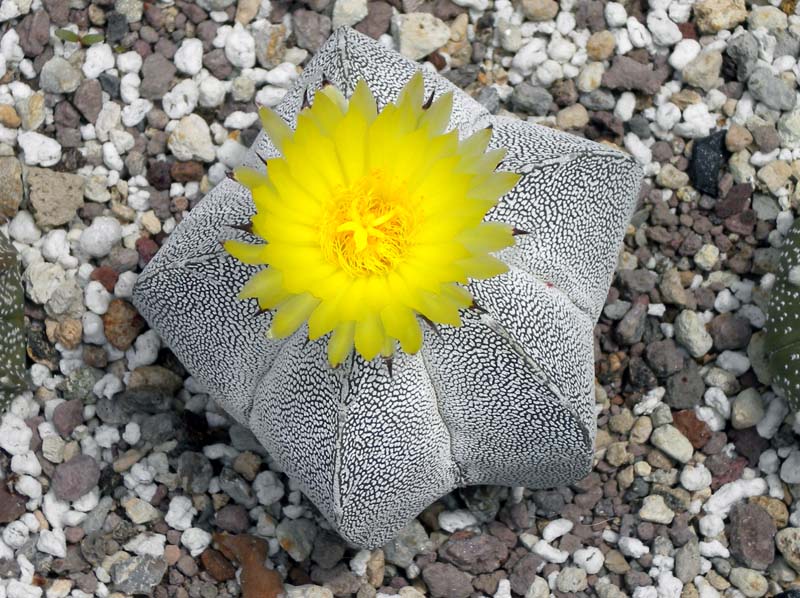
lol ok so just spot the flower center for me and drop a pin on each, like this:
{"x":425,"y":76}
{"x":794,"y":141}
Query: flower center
{"x":367,"y":225}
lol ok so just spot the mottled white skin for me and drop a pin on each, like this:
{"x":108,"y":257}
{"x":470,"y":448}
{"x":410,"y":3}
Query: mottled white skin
{"x":783,"y":324}
{"x":506,"y":399}
{"x":12,"y":325}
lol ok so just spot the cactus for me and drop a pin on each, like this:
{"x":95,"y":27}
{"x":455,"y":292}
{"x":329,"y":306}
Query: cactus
{"x":12,"y":330}
{"x":783,"y":327}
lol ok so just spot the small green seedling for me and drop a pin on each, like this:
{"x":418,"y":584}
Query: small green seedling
{"x":89,"y":39}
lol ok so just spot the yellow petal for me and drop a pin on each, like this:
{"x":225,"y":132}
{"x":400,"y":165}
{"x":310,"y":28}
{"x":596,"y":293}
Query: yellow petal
{"x":323,"y":319}
{"x":401,"y":323}
{"x":350,"y":138}
{"x":369,"y":337}
{"x":326,"y":112}
{"x":439,"y":308}
{"x":292,"y":313}
{"x":437,"y":116}
{"x":333,"y":93}
{"x":495,"y":185}
{"x":458,"y":294}
{"x":250,"y":178}
{"x":410,"y":99}
{"x":484,"y":266}
{"x":245,"y":252}
{"x":474,"y":145}
{"x":388,"y":347}
{"x":341,"y":343}
{"x":264,"y":282}
{"x":363,"y":102}
{"x":487,"y":237}
{"x":277,"y":130}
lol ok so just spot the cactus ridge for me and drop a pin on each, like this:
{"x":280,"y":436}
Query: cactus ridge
{"x":12,"y":326}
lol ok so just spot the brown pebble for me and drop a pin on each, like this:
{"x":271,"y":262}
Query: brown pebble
{"x":184,"y":172}
{"x":171,"y":554}
{"x":217,"y":565}
{"x":106,"y":276}
{"x":122,"y":324}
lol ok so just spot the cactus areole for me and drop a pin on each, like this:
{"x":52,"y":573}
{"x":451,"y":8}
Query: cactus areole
{"x":783,"y":324}
{"x":358,"y":295}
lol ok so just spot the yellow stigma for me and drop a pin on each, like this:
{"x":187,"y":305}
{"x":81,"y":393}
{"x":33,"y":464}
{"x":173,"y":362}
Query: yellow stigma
{"x":371,"y":220}
{"x":368,"y":224}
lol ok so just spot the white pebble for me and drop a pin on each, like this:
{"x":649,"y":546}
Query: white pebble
{"x":284,"y":75}
{"x":556,"y":529}
{"x":729,"y":494}
{"x":180,"y":513}
{"x":550,"y":553}
{"x":108,"y":386}
{"x":16,"y":534}
{"x":451,"y":521}
{"x":195,"y":540}
{"x":97,"y":298}
{"x":106,"y":436}
{"x":589,"y":559}
{"x":15,"y":435}
{"x":23,"y":229}
{"x":734,"y":362}
{"x":632,"y":547}
{"x":98,"y":239}
{"x":626,"y":104}
{"x":125,"y":283}
{"x":52,"y":542}
{"x":132,"y":433}
{"x":134,"y":113}
{"x":711,"y":525}
{"x":98,"y":59}
{"x":38,"y":149}
{"x":189,"y":56}
{"x":144,"y":351}
{"x":616,"y":15}
{"x":665,"y":32}
{"x":638,"y":149}
{"x":240,"y":47}
{"x":181,"y":99}
{"x":26,"y":463}
{"x":695,"y":477}
{"x":129,"y":62}
{"x":268,"y":488}
{"x":713,"y":549}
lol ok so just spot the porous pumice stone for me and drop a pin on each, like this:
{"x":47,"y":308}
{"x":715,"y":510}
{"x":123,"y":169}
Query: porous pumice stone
{"x":783,"y":323}
{"x":505,"y":399}
{"x":12,"y":326}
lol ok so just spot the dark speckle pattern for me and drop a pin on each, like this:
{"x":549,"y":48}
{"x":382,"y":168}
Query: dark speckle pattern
{"x":505,"y":399}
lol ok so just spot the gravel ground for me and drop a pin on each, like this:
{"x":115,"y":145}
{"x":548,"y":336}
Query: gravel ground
{"x":121,"y":474}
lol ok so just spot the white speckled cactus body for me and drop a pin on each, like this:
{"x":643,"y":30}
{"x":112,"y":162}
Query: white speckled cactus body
{"x":783,"y":326}
{"x":506,"y":399}
{"x":12,"y":331}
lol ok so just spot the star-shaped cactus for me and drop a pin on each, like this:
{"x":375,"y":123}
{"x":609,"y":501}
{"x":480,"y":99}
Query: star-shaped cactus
{"x":783,"y":325}
{"x":507,"y":398}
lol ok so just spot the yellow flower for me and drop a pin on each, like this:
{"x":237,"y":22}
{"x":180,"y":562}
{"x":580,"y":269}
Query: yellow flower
{"x":372,"y":219}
